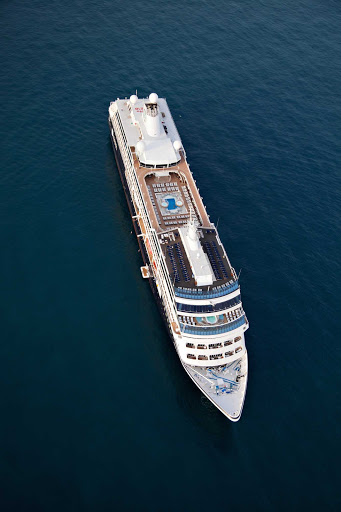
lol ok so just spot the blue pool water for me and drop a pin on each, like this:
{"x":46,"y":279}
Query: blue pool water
{"x":171,"y":203}
{"x":97,"y":413}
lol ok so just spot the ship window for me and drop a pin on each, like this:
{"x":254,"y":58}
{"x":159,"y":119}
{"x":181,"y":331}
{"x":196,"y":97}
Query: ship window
{"x":238,"y":338}
{"x":202,"y":358}
{"x":201,"y":346}
{"x":191,"y":356}
{"x":215,"y":345}
{"x":190,"y":345}
{"x":228,"y":354}
{"x":229,"y":342}
{"x":216,"y":356}
{"x":174,"y":163}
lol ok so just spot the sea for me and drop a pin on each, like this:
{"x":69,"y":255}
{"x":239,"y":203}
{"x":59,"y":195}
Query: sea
{"x":97,"y":413}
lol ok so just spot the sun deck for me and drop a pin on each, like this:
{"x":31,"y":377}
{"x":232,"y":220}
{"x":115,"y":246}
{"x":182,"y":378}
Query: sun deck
{"x":179,"y":266}
{"x":172,"y":199}
{"x":171,"y":196}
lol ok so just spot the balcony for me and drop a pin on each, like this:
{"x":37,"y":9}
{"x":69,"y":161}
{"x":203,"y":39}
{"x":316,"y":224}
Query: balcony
{"x":210,"y":320}
{"x":208,"y":308}
{"x":198,"y":294}
{"x":211,"y":331}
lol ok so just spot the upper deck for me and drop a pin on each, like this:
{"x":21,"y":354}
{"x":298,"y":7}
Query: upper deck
{"x":171,"y":195}
{"x":180,"y":267}
{"x":195,"y":265}
{"x":166,"y":182}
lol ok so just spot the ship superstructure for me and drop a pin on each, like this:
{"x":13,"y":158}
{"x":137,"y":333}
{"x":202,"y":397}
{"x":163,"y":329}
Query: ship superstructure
{"x":184,"y":259}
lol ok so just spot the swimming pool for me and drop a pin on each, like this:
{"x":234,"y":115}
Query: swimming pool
{"x":171,"y":203}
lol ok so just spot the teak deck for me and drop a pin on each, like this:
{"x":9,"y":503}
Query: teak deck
{"x":182,"y":176}
{"x":177,"y":181}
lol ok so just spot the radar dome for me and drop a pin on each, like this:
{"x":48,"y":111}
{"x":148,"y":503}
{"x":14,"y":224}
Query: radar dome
{"x":177,"y":145}
{"x":153,"y":97}
{"x":140,"y":146}
{"x":133,"y":99}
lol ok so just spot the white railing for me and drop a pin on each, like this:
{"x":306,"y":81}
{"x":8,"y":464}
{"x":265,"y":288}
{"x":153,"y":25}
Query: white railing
{"x":234,"y":273}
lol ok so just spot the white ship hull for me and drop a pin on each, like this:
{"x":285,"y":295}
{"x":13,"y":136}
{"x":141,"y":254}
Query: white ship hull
{"x":190,"y":274}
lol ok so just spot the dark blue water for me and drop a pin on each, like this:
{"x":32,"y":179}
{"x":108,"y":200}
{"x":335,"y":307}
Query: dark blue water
{"x":96,"y":411}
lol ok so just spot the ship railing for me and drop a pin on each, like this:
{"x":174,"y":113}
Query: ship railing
{"x":208,"y":308}
{"x":193,"y":206}
{"x":195,"y":294}
{"x":234,"y":273}
{"x":161,"y":271}
{"x":224,"y":319}
{"x":212,"y":331}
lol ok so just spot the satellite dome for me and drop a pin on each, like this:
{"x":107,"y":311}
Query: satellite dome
{"x":133,"y":99}
{"x":140,"y":146}
{"x":153,"y":97}
{"x":177,"y":145}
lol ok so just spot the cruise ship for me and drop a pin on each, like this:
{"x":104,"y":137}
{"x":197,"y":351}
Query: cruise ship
{"x":190,"y":274}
